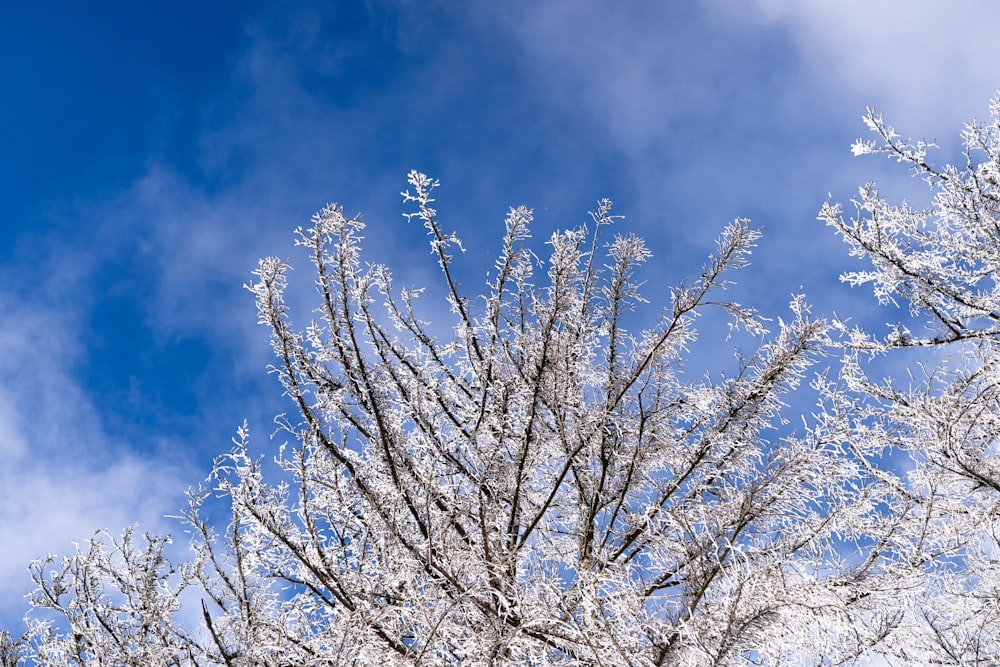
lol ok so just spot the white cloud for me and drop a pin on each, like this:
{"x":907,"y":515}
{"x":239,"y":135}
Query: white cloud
{"x":633,"y":68}
{"x":929,"y":64}
{"x":63,"y":476}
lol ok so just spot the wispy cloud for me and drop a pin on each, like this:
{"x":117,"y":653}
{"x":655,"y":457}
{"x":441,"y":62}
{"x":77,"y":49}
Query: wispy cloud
{"x":927,"y":63}
{"x":64,"y":475}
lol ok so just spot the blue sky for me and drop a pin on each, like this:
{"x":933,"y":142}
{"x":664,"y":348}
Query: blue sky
{"x":149,"y":156}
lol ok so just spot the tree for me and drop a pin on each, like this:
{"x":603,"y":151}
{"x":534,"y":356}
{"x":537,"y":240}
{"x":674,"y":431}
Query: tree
{"x":941,"y":262}
{"x":545,"y":485}
{"x":9,"y":650}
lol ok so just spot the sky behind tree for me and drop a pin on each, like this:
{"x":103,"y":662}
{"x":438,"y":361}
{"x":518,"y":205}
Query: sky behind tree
{"x":149,"y":156}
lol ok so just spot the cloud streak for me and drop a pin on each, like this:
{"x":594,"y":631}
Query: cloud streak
{"x":64,"y":475}
{"x":927,"y":63}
